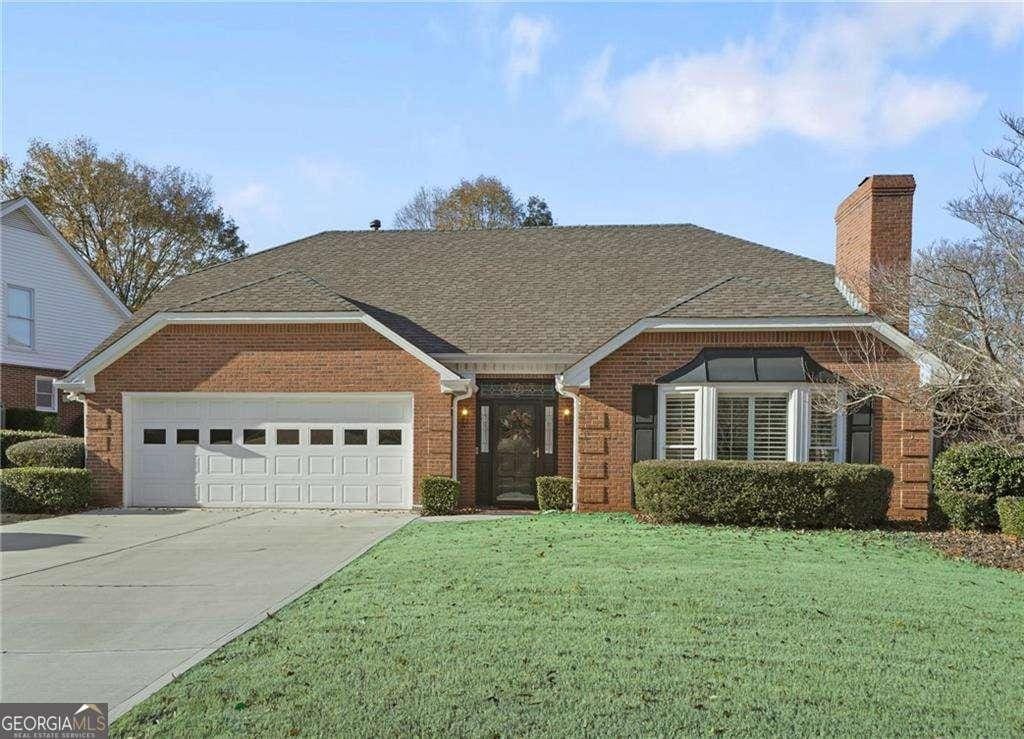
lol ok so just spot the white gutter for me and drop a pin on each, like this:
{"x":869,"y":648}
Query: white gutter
{"x":561,"y":390}
{"x":468,"y":393}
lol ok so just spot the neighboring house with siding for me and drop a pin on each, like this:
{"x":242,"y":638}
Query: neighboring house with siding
{"x":55,"y":311}
{"x":340,"y":369}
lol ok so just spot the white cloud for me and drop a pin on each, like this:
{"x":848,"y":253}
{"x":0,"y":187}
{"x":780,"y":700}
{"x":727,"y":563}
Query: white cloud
{"x":833,"y":81}
{"x":251,"y":206}
{"x":526,"y":37}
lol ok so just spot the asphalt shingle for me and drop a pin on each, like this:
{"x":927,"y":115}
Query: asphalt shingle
{"x":562,"y":289}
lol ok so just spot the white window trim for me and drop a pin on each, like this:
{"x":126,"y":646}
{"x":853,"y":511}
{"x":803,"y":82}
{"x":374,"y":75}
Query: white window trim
{"x":31,"y":320}
{"x":705,"y":404}
{"x":53,"y":394}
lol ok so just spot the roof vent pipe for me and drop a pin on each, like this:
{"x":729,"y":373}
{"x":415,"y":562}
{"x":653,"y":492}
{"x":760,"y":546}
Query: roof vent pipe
{"x":375,"y":224}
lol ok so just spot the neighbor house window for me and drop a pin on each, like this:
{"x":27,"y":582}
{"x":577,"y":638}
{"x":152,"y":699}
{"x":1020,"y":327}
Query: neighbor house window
{"x":752,"y":427}
{"x":680,"y":427}
{"x":21,"y":316}
{"x":823,"y":433}
{"x":46,"y":394}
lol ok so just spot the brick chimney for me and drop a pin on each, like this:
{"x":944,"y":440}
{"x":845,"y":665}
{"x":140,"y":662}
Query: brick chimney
{"x":873,"y":244}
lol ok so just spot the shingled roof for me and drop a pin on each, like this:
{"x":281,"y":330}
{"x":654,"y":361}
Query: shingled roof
{"x":562,"y":289}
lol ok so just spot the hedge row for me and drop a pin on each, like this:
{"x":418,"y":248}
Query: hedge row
{"x":55,"y":452}
{"x":785,"y":494}
{"x":10,"y":437}
{"x":1011,"y":515}
{"x":44,"y":490}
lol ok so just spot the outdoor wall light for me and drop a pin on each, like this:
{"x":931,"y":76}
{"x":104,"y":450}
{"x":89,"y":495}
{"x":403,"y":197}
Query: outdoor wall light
{"x":465,"y":412}
{"x":567,"y":412}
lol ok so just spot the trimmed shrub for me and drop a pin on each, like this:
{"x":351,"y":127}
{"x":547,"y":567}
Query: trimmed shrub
{"x":554,"y":493}
{"x":439,"y":495}
{"x":44,"y":490}
{"x":967,"y":511}
{"x":29,"y":419}
{"x":979,"y":468}
{"x":1011,"y":515}
{"x":10,"y":437}
{"x":55,"y":452}
{"x":786,"y":494}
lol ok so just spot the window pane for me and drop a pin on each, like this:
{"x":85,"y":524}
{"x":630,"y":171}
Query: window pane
{"x":254,"y":436}
{"x":45,"y":393}
{"x":732,"y":424}
{"x":19,"y":331}
{"x":154,"y":436}
{"x":679,"y":422}
{"x":321,"y":436}
{"x":355,"y":437}
{"x":188,"y":436}
{"x":288,"y":437}
{"x":860,"y":447}
{"x":731,"y":369}
{"x":19,"y":302}
{"x":771,"y":416}
{"x":823,"y":434}
{"x":220,"y":436}
{"x":389,"y":437}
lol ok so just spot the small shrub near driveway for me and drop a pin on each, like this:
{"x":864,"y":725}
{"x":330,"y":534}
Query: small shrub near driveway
{"x":439,"y":495}
{"x":795,"y":495}
{"x":554,"y":493}
{"x":979,"y":468}
{"x":29,"y":419}
{"x":56,"y":452}
{"x":1011,"y":515}
{"x":44,"y":490}
{"x":10,"y":437}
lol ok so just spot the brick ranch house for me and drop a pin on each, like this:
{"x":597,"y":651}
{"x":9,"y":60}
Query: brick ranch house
{"x":340,"y":369}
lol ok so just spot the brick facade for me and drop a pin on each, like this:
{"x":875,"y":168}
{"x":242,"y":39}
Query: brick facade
{"x":18,"y":390}
{"x":902,"y":438}
{"x":305,"y":358}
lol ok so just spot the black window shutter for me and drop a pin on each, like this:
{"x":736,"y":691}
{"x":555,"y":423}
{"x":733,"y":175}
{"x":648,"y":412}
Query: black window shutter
{"x":645,"y":421}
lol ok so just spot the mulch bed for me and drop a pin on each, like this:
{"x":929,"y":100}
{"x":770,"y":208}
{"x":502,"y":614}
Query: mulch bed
{"x":993,"y":550}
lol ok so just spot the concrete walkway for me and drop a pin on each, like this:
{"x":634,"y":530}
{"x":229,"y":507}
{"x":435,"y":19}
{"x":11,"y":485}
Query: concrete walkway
{"x":109,"y":606}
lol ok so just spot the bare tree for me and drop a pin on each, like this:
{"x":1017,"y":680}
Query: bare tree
{"x":966,"y":300}
{"x":138,"y":227}
{"x":421,"y":211}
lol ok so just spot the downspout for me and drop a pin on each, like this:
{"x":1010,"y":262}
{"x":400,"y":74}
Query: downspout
{"x":561,"y":389}
{"x":470,"y":390}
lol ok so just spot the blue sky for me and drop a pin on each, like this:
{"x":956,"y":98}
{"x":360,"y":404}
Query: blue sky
{"x":754,"y":120}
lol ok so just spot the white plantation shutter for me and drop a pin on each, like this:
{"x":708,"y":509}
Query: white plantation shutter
{"x":753,"y":428}
{"x":771,"y":416}
{"x":680,"y":427}
{"x":823,"y":434}
{"x":733,"y":419}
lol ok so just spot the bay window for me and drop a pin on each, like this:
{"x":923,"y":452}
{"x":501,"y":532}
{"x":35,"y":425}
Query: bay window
{"x":773,"y":422}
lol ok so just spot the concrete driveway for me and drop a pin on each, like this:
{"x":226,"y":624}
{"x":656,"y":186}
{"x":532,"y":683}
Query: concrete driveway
{"x":108,"y":606}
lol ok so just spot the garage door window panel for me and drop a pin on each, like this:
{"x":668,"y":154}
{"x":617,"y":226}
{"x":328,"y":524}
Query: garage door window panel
{"x":321,"y":437}
{"x":187,"y":436}
{"x":355,"y":437}
{"x":254,"y":437}
{"x":287,"y":437}
{"x":154,"y":436}
{"x":220,"y":436}
{"x":389,"y":437}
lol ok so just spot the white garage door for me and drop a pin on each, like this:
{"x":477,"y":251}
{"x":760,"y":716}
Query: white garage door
{"x":322,"y":451}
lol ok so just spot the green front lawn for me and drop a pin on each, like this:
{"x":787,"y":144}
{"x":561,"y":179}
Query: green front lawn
{"x":573,"y":624}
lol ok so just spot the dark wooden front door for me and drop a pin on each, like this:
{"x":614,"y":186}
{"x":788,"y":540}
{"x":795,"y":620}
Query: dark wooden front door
{"x":517,"y":435}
